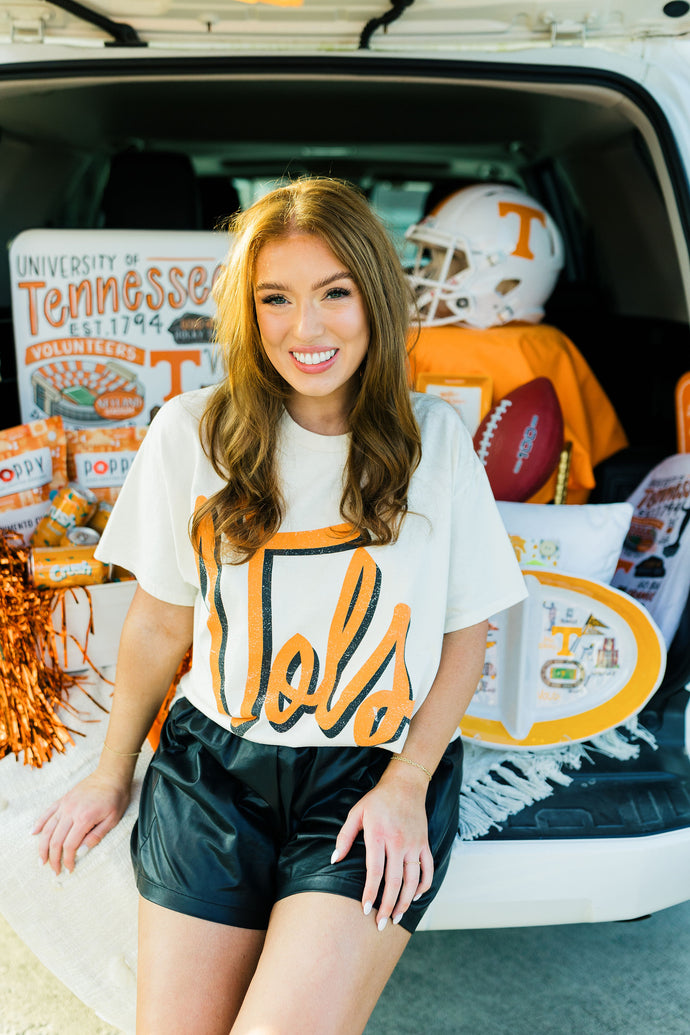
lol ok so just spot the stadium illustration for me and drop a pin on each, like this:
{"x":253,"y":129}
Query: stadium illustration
{"x":84,"y":391}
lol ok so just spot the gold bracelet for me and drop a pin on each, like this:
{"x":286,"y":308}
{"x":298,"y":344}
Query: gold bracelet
{"x":410,"y":761}
{"x":122,"y":754}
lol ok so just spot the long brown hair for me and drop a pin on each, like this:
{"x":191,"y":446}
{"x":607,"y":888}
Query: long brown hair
{"x":239,"y":426}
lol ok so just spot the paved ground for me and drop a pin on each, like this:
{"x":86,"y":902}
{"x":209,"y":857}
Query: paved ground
{"x":607,"y":979}
{"x":33,"y":1002}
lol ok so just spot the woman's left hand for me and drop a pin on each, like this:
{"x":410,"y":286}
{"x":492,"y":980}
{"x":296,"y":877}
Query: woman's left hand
{"x":393,"y":820}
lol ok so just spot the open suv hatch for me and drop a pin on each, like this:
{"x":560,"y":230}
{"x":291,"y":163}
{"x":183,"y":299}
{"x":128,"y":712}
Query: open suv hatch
{"x":588,"y":114}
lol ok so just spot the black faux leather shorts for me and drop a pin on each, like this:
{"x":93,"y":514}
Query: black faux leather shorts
{"x":227,"y":827}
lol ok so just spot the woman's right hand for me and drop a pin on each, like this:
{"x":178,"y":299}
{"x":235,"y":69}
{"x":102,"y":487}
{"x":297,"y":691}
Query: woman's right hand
{"x":82,"y":817}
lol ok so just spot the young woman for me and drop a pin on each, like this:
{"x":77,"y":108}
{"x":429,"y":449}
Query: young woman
{"x":329,"y":544}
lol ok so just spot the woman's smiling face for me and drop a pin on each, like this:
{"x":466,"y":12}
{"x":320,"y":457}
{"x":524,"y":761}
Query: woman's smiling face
{"x":314,"y":327}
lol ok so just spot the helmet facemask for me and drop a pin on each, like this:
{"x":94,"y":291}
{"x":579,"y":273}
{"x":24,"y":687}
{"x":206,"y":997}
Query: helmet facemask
{"x":435,"y":279}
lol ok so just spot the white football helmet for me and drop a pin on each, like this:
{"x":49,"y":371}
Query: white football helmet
{"x":486,"y":255}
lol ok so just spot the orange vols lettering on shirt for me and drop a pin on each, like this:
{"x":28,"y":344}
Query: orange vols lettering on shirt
{"x":210,"y":568}
{"x":288,"y":683}
{"x":379,"y":713}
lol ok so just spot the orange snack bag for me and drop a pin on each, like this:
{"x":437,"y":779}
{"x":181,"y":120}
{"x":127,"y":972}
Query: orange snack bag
{"x":33,"y":466}
{"x":99,"y":458}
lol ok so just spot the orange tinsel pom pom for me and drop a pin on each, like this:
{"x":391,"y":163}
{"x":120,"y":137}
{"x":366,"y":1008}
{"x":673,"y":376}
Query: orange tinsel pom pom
{"x":32,"y":685}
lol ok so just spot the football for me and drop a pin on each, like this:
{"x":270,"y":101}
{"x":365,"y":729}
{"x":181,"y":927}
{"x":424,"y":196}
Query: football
{"x":520,"y":440}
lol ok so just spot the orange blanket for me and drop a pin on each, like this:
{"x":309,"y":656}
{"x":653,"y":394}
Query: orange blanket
{"x":516,"y":353}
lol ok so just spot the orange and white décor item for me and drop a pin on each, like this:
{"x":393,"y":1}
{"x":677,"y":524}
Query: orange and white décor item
{"x":654,"y":565}
{"x":683,"y":413}
{"x":585,"y":540}
{"x":469,"y":396}
{"x":108,"y":324}
{"x":576,"y":658}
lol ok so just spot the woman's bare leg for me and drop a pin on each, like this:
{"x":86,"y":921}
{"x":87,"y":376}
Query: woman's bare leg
{"x":192,"y":974}
{"x":322,"y":969}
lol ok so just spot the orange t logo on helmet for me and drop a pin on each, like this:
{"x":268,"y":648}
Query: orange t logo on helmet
{"x":526,"y":215}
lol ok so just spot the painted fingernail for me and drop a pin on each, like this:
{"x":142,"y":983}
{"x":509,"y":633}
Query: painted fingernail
{"x":367,"y":908}
{"x":335,"y":856}
{"x":81,"y":851}
{"x":397,"y":918}
{"x":382,"y":923}
{"x":417,"y":897}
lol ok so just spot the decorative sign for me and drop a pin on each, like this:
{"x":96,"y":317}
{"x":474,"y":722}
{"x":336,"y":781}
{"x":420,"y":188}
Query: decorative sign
{"x":654,"y":565}
{"x":470,"y":396}
{"x":574,"y":659}
{"x":109,"y":324}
